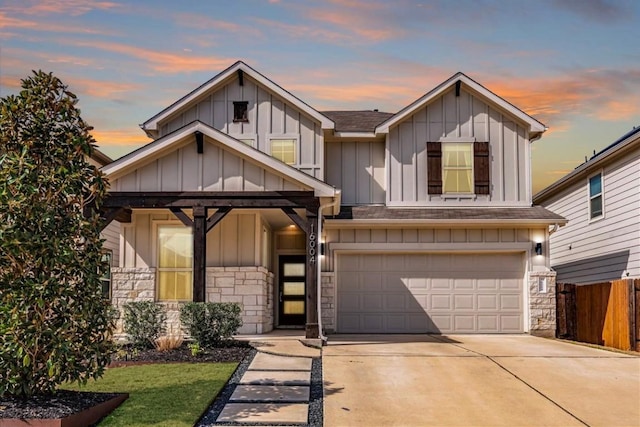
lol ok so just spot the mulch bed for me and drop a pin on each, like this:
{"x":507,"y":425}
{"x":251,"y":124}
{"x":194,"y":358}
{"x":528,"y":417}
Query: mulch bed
{"x":234,"y":351}
{"x":65,"y":403}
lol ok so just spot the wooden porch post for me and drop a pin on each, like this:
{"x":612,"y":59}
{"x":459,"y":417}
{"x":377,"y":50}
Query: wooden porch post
{"x":312,"y":329}
{"x":199,"y":252}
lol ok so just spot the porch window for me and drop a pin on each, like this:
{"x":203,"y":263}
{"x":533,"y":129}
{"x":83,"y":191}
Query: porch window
{"x":284,"y":150}
{"x":457,"y":167}
{"x":595,"y":196}
{"x":105,"y":276}
{"x":175,"y":263}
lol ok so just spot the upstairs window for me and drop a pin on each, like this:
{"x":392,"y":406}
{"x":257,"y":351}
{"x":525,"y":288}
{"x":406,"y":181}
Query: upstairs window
{"x":595,"y":196}
{"x":458,"y":167}
{"x":284,"y":150}
{"x":240,"y":109}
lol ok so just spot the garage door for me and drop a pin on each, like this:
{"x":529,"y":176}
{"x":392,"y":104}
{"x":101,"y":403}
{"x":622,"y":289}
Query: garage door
{"x":418,"y":293}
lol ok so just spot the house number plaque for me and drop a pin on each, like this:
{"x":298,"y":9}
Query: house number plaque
{"x":312,"y":245}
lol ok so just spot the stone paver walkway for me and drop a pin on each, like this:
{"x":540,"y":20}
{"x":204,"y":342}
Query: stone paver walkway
{"x":275,"y":389}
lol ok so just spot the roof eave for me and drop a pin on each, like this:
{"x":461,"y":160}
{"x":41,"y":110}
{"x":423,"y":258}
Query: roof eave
{"x":535,"y":127}
{"x":336,"y":223}
{"x":152,"y":123}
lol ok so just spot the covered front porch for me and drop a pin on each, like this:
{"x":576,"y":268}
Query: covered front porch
{"x":259,"y":249}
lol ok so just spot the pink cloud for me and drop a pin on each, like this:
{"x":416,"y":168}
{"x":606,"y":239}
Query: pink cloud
{"x":162,"y":62}
{"x":67,"y":7}
{"x":18,"y":23}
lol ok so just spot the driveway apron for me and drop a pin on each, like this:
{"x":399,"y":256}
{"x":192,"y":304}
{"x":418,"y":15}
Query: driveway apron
{"x":476,"y":380}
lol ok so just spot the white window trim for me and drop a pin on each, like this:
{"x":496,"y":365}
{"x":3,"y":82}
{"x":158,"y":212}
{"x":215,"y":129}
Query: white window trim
{"x":601,"y":216}
{"x":108,"y":252}
{"x":155,"y":255}
{"x":459,"y":140}
{"x":296,"y":144}
{"x":246,"y":136}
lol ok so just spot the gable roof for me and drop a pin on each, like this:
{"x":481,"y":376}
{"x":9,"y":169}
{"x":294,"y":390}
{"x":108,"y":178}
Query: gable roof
{"x":152,"y":123}
{"x":620,"y":145}
{"x":168,"y":143}
{"x":357,"y":121}
{"x":535,"y":126}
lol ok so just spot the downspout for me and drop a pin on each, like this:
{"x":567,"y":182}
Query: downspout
{"x":554,"y":229}
{"x":319,"y":273}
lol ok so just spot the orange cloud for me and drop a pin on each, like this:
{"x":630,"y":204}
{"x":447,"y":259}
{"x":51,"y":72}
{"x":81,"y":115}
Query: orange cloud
{"x":163,"y":62}
{"x":102,"y":88}
{"x":112,"y":137}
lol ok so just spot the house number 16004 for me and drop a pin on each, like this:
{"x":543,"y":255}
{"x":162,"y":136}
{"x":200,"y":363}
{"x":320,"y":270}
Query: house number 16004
{"x":312,"y":245}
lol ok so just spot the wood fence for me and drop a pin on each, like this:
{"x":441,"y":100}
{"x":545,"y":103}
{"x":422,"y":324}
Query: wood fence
{"x":604,"y":313}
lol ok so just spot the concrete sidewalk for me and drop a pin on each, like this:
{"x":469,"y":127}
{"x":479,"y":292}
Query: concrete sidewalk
{"x":477,"y":380}
{"x":276,"y":388}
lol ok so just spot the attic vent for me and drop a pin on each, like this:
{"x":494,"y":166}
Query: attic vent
{"x":241,"y":77}
{"x":458,"y":83}
{"x":240,"y":111}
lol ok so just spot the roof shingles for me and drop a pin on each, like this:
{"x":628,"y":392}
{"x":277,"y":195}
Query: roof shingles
{"x":535,"y":213}
{"x":357,"y":121}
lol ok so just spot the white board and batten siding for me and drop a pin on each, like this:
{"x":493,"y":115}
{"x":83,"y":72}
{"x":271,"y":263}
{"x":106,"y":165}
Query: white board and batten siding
{"x":214,"y":170}
{"x":591,"y":251}
{"x":269,"y":116}
{"x":465,"y":116}
{"x":111,"y":235}
{"x":234,"y":242}
{"x":357,"y":168}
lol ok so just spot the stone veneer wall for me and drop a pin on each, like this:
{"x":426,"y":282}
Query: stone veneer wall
{"x":542,"y":306}
{"x":252,"y":287}
{"x":328,"y":301}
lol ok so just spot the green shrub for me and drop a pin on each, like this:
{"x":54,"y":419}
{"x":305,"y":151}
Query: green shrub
{"x":209,"y":323}
{"x":144,"y":322}
{"x":54,"y":322}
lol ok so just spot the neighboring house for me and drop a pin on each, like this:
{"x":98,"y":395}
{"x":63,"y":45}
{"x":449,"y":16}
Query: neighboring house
{"x":337,"y":221}
{"x":601,"y":200}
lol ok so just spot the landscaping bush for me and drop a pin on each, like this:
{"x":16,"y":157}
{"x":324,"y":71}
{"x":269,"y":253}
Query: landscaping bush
{"x":144,"y":322}
{"x":54,"y":323}
{"x":209,"y":323}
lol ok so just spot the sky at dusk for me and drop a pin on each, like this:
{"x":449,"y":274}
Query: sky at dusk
{"x":572,"y":64}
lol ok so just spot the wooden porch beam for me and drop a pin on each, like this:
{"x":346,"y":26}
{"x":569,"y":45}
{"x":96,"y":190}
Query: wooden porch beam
{"x":182,"y":216}
{"x":312,"y":328}
{"x":214,"y":199}
{"x":299,"y":221}
{"x":217,"y":217}
{"x":199,"y":253}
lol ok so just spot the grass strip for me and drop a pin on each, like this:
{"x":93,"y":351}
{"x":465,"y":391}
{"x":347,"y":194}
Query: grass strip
{"x":173,"y":394}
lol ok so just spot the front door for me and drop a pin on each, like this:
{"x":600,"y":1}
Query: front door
{"x":291,"y":290}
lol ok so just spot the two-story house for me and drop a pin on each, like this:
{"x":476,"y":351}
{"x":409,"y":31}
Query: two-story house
{"x":601,"y":200}
{"x":338,"y":221}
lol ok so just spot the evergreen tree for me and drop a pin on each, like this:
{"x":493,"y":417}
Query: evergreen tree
{"x":55,"y":326}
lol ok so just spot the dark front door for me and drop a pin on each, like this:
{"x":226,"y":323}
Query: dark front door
{"x":291,"y":290}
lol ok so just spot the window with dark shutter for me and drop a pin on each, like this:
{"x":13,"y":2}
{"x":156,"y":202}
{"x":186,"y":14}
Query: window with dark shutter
{"x":434,"y":167}
{"x":481,"y":167}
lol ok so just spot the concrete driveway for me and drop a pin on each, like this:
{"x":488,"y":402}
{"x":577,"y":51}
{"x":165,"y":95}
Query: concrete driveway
{"x":476,"y":380}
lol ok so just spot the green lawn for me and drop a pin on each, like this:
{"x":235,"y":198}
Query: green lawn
{"x":162,"y":394}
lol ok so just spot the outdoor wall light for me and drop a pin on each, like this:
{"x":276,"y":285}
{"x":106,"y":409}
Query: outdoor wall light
{"x":538,"y":248}
{"x":321,"y":248}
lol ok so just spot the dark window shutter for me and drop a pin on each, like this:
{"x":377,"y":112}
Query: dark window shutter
{"x":434,"y":167}
{"x":481,"y":167}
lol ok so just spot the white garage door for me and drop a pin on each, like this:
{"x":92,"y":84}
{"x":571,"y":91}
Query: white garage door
{"x":417,"y":293}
